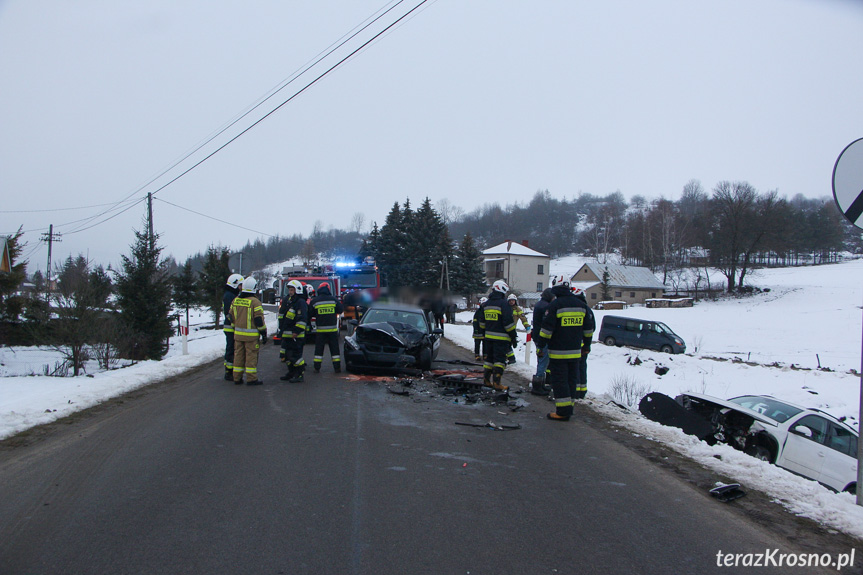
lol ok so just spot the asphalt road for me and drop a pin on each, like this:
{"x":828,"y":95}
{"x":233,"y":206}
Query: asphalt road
{"x":197,"y":475}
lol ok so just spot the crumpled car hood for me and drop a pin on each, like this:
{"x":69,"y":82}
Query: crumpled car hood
{"x":385,"y":333}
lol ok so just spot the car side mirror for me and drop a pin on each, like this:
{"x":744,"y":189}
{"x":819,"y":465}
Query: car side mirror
{"x":802,"y":430}
{"x":354,"y":322}
{"x":437,"y":331}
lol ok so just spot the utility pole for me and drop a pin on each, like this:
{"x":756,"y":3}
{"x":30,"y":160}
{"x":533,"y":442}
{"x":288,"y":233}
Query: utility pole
{"x":50,"y":237}
{"x":150,"y":221}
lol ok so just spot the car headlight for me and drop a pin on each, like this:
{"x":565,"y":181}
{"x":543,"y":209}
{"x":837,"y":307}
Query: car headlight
{"x":678,"y":342}
{"x":351,"y":342}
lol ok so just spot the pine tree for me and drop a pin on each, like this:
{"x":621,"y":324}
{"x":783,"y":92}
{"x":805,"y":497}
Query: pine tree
{"x":212,"y":281}
{"x":391,"y":248}
{"x":184,"y":288}
{"x":11,"y":304}
{"x":468,"y":273}
{"x":144,"y":298}
{"x":428,"y":246}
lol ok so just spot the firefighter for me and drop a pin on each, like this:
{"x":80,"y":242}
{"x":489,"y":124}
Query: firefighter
{"x":478,"y":334}
{"x":499,"y":337}
{"x":518,"y":315}
{"x":567,"y":329}
{"x":293,"y":313}
{"x":325,"y":311}
{"x":538,"y":384}
{"x":581,"y":387}
{"x":250,"y":332}
{"x":232,"y":289}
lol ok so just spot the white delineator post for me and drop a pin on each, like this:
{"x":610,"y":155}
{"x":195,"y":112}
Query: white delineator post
{"x":184,"y":331}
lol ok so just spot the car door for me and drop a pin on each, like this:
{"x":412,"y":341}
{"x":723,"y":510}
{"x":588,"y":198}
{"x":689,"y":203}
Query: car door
{"x":840,"y":460}
{"x":804,"y":453}
{"x":632,"y":335}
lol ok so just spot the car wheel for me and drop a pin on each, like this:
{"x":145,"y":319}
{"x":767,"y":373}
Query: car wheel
{"x":760,"y":452}
{"x":609,"y":341}
{"x":666,"y":349}
{"x":852,"y":489}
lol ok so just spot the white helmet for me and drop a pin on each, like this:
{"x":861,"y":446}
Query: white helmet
{"x":500,"y":286}
{"x":482,"y":300}
{"x":560,"y":280}
{"x":296,"y":285}
{"x":250,"y":284}
{"x":234,"y":280}
{"x":309,"y":290}
{"x":511,"y":297}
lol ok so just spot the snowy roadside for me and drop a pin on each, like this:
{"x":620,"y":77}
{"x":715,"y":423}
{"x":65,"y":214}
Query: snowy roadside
{"x":30,"y":400}
{"x":798,"y":495}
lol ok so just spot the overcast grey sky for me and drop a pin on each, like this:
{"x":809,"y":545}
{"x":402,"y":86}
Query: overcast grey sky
{"x":473,"y":101}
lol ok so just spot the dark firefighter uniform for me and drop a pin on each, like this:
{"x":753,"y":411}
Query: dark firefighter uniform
{"x":247,"y":317}
{"x":499,"y":336}
{"x":581,"y":388}
{"x":325,"y":310}
{"x":478,"y":334}
{"x":567,"y":328}
{"x":228,"y":328}
{"x":293,"y":314}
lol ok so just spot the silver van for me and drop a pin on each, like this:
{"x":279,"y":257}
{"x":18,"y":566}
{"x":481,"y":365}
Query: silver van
{"x":617,"y":330}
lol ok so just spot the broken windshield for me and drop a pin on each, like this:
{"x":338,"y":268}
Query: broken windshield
{"x":775,"y":410}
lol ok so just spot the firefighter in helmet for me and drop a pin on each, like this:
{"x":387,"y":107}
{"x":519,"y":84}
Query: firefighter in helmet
{"x":325,"y":309}
{"x":293,"y":314}
{"x":232,"y":289}
{"x":250,"y":331}
{"x":499,"y":337}
{"x":568,"y":329}
{"x":478,"y":334}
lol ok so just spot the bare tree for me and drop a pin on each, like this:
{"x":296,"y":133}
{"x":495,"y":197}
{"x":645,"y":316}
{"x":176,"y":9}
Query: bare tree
{"x":358,"y":223}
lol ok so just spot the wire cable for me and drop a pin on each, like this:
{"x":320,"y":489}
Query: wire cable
{"x":215,"y":219}
{"x":274,"y":110}
{"x":297,"y":74}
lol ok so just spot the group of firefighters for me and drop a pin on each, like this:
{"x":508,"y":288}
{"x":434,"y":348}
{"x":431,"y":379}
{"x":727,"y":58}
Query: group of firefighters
{"x":563,"y":326}
{"x":245,"y":330}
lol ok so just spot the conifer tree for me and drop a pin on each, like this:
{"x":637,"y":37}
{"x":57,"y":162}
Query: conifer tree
{"x":184,"y":288}
{"x":11,"y":305}
{"x":391,"y":248}
{"x":429,"y":246}
{"x":144,"y":298}
{"x":212,"y":281}
{"x":468,"y":276}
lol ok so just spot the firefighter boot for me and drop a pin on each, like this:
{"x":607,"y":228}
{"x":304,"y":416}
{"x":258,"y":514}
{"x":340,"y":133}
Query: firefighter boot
{"x":496,"y":384}
{"x":291,"y":371}
{"x":229,"y":374}
{"x":486,"y":377}
{"x":337,"y":366}
{"x":298,"y":375}
{"x":537,"y":385}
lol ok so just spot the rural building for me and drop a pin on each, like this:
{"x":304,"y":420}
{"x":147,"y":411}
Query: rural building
{"x":629,"y":284}
{"x":524,"y":269}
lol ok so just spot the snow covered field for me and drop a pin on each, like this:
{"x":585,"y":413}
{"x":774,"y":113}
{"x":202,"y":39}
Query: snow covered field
{"x":744,"y":346}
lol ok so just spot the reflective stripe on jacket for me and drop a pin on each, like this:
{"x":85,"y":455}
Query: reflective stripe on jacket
{"x":247,"y":315}
{"x":567,"y":326}
{"x":496,"y":319}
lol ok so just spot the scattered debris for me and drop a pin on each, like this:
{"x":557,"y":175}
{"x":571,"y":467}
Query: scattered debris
{"x":491,"y":425}
{"x":661,"y":370}
{"x":398,"y":392}
{"x":727,"y":493}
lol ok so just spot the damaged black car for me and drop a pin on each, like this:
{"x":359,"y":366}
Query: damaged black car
{"x":392,"y":337}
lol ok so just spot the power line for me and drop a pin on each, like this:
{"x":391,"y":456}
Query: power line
{"x":306,"y":87}
{"x":335,"y":46}
{"x":56,"y":209}
{"x":215,"y":219}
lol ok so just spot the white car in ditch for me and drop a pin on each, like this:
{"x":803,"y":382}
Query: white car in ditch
{"x":808,"y":442}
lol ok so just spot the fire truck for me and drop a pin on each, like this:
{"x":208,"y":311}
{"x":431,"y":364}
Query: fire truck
{"x":355,"y":284}
{"x":306,"y":275}
{"x":360,"y":285}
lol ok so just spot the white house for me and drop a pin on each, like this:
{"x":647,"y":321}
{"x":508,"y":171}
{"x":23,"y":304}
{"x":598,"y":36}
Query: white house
{"x":524,"y":269}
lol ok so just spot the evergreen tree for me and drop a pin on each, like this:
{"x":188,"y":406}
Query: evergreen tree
{"x":184,"y":289}
{"x":391,"y":248}
{"x":11,"y":304}
{"x":370,"y":245}
{"x":468,"y":275}
{"x":144,"y":299}
{"x":212,"y":281}
{"x":80,"y":304}
{"x":428,"y":246}
{"x":604,"y":288}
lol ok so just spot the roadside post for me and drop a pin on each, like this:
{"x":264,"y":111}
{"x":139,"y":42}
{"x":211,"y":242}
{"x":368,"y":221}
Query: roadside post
{"x":528,"y":347}
{"x":848,"y":194}
{"x":184,"y":331}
